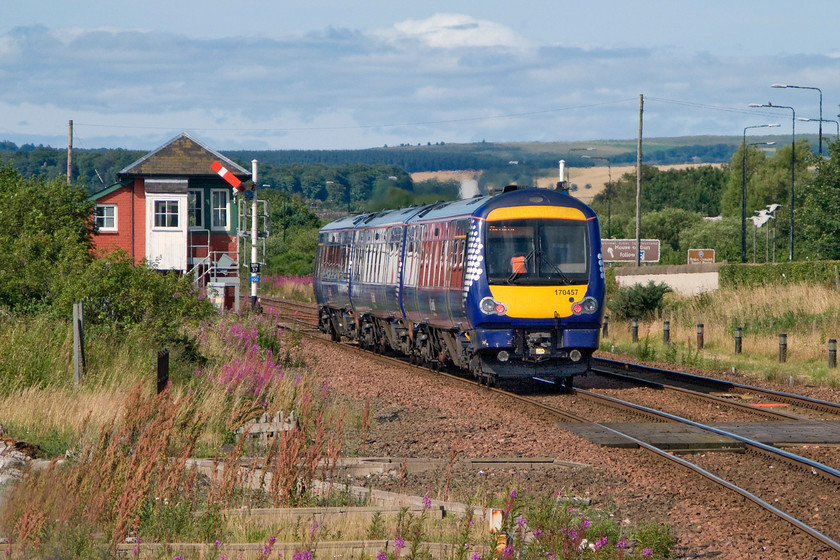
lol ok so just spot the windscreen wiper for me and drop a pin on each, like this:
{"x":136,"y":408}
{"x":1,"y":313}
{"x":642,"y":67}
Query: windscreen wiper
{"x":545,"y":260}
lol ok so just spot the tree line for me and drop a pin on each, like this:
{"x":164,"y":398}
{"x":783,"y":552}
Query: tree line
{"x":700,"y":207}
{"x":694,"y":208}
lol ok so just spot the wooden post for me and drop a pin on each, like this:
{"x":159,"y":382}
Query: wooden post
{"x":832,"y":353}
{"x":699,"y":336}
{"x":634,"y":329}
{"x":162,"y":370}
{"x":605,"y":327}
{"x":666,"y":332}
{"x":78,"y":342}
{"x":782,"y":348}
{"x":737,"y":340}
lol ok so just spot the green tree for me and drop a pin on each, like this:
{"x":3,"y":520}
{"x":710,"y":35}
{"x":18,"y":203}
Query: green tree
{"x":696,"y":189}
{"x":45,"y":233}
{"x":819,"y":213}
{"x":724,"y":236}
{"x":667,"y":225}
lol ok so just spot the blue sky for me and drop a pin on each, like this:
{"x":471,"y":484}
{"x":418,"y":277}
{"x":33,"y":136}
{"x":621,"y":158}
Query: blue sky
{"x":325,"y":74}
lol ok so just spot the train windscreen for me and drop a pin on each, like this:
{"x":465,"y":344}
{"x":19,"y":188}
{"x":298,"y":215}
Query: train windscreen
{"x":537,"y":252}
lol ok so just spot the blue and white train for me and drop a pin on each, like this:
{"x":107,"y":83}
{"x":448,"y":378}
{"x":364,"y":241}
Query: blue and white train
{"x":505,"y":286}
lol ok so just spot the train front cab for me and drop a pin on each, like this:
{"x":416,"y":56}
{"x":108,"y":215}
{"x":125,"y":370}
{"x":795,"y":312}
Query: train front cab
{"x":537,"y":305}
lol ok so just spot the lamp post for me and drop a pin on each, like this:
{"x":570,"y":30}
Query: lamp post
{"x":792,"y":163}
{"x":570,"y":162}
{"x":609,"y":191}
{"x":807,"y":87}
{"x":836,"y":124}
{"x":744,"y":187}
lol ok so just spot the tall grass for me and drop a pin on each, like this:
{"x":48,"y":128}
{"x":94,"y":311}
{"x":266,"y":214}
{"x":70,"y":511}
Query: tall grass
{"x":120,"y":467}
{"x":808,"y":314}
{"x":297,"y":288}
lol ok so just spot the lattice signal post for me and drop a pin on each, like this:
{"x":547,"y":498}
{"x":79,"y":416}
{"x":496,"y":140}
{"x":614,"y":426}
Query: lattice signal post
{"x":248,"y":190}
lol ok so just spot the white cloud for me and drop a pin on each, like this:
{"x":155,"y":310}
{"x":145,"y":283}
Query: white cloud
{"x":458,"y":78}
{"x":450,"y":31}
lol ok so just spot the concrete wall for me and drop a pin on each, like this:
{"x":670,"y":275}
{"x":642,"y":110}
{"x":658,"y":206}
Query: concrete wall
{"x":687,"y":279}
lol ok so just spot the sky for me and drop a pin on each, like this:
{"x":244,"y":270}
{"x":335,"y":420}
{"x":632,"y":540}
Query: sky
{"x":335,"y":74}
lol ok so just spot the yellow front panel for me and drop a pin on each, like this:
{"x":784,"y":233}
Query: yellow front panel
{"x":538,"y":302}
{"x":522,"y":212}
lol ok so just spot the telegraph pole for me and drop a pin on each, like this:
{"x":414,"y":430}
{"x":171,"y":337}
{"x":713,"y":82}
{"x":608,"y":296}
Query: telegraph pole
{"x":639,"y":185}
{"x":70,"y":152}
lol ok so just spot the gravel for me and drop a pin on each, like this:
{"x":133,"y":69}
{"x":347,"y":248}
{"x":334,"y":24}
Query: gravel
{"x":418,"y":414}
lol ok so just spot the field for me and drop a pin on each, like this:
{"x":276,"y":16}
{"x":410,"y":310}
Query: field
{"x":596,"y":177}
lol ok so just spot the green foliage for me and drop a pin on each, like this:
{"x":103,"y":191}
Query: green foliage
{"x":640,"y":301}
{"x":819,"y":212}
{"x":45,"y":236}
{"x":724,"y":236}
{"x":645,"y":351}
{"x":376,"y":529}
{"x":810,"y":272}
{"x":295,"y":256}
{"x":123,"y":296}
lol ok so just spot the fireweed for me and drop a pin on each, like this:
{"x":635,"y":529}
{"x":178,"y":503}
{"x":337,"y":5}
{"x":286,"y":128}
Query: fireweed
{"x":131,"y":476}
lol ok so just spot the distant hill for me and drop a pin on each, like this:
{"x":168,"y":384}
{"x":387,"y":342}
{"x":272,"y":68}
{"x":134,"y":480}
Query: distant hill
{"x":535,"y":155}
{"x":522,"y":162}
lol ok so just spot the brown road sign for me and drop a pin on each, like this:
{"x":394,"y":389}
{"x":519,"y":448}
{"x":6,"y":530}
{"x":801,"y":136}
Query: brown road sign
{"x":701,"y":256}
{"x":624,"y":250}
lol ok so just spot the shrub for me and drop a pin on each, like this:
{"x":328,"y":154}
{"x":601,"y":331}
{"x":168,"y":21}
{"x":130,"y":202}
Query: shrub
{"x":639,"y":301}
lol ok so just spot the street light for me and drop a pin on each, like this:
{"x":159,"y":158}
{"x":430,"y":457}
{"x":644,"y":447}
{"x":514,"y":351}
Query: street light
{"x":609,"y":191}
{"x":744,"y":188}
{"x":570,"y":162}
{"x":792,"y":162}
{"x":836,"y":124}
{"x":807,"y":87}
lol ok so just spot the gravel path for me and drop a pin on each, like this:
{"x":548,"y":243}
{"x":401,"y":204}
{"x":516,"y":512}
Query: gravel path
{"x":423,"y":415}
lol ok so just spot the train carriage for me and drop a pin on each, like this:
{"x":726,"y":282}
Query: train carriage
{"x":508,"y":286}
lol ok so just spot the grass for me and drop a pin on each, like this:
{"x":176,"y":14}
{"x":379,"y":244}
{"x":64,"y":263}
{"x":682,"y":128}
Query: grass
{"x":809,"y":315}
{"x":120,"y":453}
{"x":296,"y":288}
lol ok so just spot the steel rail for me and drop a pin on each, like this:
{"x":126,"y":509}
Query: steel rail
{"x":828,"y":472}
{"x":771,"y":414}
{"x":790,"y":398}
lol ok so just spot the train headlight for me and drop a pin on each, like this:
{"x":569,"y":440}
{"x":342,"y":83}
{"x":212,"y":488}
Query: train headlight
{"x":588,"y":305}
{"x":503,"y":356}
{"x":490,"y":306}
{"x":575,"y":355}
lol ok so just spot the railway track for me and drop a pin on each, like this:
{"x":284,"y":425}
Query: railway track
{"x":782,"y":483}
{"x":722,"y":392}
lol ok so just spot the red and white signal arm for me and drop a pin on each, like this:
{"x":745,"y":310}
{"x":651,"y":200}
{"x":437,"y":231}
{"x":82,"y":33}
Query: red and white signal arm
{"x":243,"y":187}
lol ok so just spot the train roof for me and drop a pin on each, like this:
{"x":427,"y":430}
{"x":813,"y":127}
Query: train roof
{"x":477,"y":206}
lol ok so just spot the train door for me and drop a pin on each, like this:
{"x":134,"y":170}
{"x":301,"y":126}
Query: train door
{"x":457,"y":259}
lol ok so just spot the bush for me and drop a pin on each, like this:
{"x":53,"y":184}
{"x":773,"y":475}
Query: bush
{"x":639,"y":301}
{"x":809,"y":272}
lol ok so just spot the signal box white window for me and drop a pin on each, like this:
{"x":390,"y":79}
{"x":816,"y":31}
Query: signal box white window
{"x":195,"y":211}
{"x":105,"y":217}
{"x":220,"y":209}
{"x":166,"y":213}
